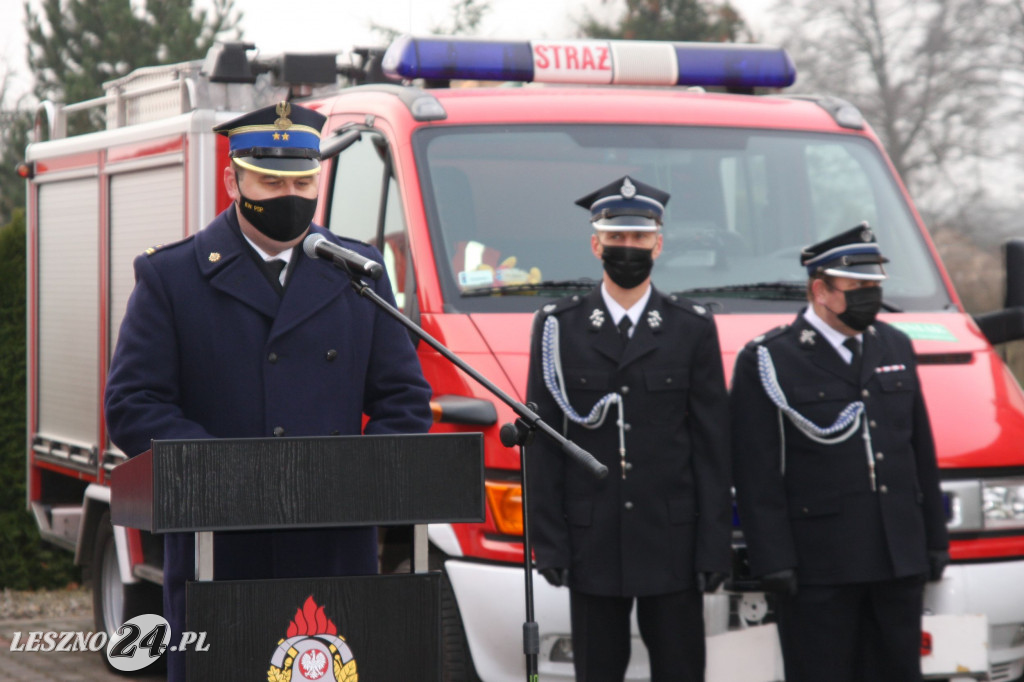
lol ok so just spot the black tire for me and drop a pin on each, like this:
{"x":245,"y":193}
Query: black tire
{"x":114,"y":602}
{"x":456,"y":660}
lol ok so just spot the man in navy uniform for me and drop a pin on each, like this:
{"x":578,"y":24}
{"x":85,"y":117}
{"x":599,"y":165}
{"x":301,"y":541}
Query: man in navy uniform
{"x":836,"y":478}
{"x":234,"y":332}
{"x":635,"y":377}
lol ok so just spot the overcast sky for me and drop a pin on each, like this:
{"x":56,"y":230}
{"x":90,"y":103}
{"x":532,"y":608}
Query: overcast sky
{"x":336,"y":25}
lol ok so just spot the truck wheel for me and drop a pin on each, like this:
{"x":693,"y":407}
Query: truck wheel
{"x":114,"y":602}
{"x":456,"y":660}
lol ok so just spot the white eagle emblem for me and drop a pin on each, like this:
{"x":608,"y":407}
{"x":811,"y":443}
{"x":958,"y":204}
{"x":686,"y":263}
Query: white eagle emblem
{"x":807,"y":336}
{"x":700,"y":310}
{"x":314,"y":664}
{"x":549,"y":307}
{"x":654,"y":319}
{"x":628,"y":190}
{"x":597,"y":318}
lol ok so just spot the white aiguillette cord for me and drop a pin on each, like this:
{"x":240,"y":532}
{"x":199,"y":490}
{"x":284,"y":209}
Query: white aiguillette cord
{"x":845,"y":424}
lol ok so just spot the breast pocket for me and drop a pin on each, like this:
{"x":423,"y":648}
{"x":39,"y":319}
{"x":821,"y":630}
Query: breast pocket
{"x":898,"y":390}
{"x":667,"y":388}
{"x":822,"y":402}
{"x":587,"y":380}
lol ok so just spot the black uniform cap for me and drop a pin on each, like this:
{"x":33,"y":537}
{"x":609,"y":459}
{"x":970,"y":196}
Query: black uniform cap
{"x":626,"y":205}
{"x":854,"y":254}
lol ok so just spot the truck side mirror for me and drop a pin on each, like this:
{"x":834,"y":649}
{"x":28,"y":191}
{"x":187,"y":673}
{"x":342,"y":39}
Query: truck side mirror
{"x":1014,"y":273}
{"x":1002,"y":325}
{"x":1008,"y":324}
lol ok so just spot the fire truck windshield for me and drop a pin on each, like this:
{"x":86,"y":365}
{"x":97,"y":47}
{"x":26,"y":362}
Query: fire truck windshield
{"x":743,"y":203}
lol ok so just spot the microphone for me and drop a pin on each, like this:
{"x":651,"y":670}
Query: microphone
{"x":318,"y":246}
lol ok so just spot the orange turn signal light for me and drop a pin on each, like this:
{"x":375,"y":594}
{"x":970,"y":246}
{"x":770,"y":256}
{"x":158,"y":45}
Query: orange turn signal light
{"x":506,"y":501}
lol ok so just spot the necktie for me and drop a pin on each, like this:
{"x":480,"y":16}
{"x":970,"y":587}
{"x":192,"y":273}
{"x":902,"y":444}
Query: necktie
{"x":624,"y":326}
{"x":853,"y":343}
{"x":274,"y":268}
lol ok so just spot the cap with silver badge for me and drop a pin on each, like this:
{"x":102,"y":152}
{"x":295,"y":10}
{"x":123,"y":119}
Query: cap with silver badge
{"x":854,"y":254}
{"x":626,"y":205}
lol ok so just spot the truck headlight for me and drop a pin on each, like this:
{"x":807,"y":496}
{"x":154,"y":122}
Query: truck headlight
{"x":1003,"y":503}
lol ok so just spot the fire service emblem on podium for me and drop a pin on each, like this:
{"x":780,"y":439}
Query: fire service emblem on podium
{"x":312,"y":650}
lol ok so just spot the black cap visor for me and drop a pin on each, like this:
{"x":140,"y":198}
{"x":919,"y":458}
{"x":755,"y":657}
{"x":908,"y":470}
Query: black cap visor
{"x":295,"y":162}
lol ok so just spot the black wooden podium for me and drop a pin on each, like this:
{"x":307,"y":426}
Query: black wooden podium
{"x":379,"y":627}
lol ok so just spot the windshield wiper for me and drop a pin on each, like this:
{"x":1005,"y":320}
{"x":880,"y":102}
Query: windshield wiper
{"x":782,"y":291}
{"x":549,"y":286}
{"x":778,"y":291}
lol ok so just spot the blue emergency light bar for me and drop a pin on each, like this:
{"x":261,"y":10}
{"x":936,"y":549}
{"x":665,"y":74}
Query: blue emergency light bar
{"x":620,"y":62}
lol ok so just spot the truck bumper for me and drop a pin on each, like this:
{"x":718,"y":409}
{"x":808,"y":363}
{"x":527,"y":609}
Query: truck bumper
{"x":992,"y":589}
{"x":492,"y":604}
{"x":493,"y":609}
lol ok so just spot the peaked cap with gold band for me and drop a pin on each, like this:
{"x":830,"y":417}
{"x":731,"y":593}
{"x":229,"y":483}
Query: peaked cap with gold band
{"x":282,"y":139}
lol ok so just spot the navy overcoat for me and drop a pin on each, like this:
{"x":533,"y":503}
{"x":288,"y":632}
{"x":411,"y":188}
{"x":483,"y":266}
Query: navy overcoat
{"x":208,"y":349}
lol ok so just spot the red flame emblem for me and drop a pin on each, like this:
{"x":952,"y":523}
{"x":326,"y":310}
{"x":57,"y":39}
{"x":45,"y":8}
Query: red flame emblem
{"x":310,"y":620}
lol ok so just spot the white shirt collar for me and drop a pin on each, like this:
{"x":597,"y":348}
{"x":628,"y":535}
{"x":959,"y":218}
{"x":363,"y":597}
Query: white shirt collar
{"x":617,"y":311}
{"x":285,"y":255}
{"x":833,"y":336}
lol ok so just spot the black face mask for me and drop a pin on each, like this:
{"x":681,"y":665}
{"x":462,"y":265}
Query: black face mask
{"x":281,"y":218}
{"x":628,"y":266}
{"x":862,"y":306}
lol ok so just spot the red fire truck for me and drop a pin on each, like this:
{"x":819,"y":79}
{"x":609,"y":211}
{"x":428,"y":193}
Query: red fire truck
{"x":469,"y":191}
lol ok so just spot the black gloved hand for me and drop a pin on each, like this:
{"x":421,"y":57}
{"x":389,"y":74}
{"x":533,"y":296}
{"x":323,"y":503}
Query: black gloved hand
{"x":558,"y":577}
{"x":938,"y":559}
{"x":709,"y":581}
{"x":782,"y":582}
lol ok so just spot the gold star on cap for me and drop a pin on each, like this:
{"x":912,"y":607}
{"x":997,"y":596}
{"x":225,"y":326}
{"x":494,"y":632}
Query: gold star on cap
{"x":214,"y":257}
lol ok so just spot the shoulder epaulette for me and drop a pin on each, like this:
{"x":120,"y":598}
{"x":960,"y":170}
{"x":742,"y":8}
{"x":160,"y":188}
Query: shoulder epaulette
{"x":352,"y":240}
{"x":768,"y":336}
{"x":163,"y":247}
{"x":560,"y":305}
{"x":688,"y":305}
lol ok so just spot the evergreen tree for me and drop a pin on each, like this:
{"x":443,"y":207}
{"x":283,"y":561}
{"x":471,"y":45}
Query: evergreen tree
{"x":671,"y":20}
{"x":14,"y":128}
{"x":77,"y":45}
{"x":25,"y":562}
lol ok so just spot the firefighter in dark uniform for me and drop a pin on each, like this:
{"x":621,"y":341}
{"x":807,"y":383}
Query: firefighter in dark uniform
{"x":633,"y":376}
{"x":836,"y":477}
{"x":234,"y":332}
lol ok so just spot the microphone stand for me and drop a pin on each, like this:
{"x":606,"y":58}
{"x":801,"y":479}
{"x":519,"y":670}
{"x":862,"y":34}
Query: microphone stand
{"x":520,"y":433}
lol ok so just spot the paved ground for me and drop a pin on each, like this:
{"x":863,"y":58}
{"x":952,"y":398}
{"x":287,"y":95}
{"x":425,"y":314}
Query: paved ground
{"x":56,"y":611}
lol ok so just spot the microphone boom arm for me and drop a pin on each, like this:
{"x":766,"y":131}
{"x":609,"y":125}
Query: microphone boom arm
{"x":531,"y":418}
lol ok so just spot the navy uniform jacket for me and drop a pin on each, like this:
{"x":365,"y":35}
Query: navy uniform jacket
{"x":670,"y":517}
{"x":208,"y":349}
{"x":821,"y":516}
